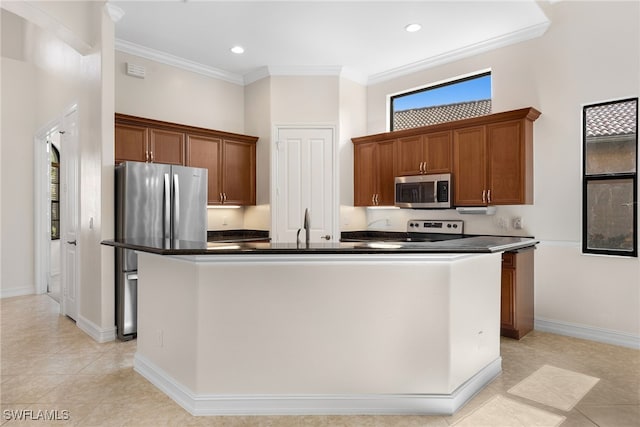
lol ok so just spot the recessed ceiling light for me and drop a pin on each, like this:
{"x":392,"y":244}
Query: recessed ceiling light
{"x":237,"y":50}
{"x":412,"y":28}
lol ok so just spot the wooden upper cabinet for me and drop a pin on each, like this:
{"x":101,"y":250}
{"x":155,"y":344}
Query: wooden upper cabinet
{"x":229,"y":158}
{"x":364,"y":173}
{"x":231,"y":165}
{"x":131,"y":143}
{"x":410,"y":155}
{"x":206,"y":152}
{"x":437,"y":152}
{"x":510,"y":155}
{"x":424,"y":154}
{"x":166,"y":146}
{"x":469,"y":166}
{"x":239,"y":172}
{"x":493,"y":164}
{"x":374,"y":173}
{"x":386,"y":173}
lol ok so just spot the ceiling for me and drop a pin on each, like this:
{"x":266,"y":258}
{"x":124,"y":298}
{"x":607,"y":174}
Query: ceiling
{"x":364,"y":40}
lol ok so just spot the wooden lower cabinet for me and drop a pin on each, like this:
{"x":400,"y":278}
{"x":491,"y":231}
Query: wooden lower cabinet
{"x":516,"y":296}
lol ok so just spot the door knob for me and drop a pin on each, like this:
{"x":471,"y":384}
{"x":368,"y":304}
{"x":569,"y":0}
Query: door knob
{"x":72,"y":242}
{"x":327,"y":237}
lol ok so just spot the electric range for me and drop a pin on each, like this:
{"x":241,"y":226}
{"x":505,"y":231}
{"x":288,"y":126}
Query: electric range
{"x":430,"y":230}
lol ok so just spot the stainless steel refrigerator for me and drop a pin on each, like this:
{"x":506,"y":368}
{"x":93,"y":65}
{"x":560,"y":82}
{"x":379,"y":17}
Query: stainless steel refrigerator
{"x":163,"y":204}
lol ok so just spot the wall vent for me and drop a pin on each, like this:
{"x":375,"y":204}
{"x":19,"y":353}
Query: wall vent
{"x":134,"y":70}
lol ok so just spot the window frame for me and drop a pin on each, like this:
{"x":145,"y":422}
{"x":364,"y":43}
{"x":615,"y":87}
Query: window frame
{"x":433,"y":86}
{"x":604,"y":177}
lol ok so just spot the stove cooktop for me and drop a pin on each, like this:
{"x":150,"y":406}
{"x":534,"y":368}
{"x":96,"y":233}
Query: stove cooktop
{"x":429,"y":230}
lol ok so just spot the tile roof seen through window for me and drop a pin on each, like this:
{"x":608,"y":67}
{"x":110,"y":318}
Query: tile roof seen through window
{"x":612,"y":119}
{"x":426,"y":116}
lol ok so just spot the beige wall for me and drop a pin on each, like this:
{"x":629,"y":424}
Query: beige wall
{"x":53,"y":83}
{"x":175,"y":95}
{"x":258,"y":122}
{"x":589,"y":54}
{"x":16,"y":178}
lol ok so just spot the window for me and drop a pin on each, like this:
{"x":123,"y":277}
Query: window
{"x":610,"y":178}
{"x":439,"y":103}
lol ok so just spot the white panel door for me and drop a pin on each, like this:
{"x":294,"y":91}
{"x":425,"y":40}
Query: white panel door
{"x":69,"y":165}
{"x":305,"y":179}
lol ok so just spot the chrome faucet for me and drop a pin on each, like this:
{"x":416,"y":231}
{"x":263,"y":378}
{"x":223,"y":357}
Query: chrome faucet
{"x":306,"y":224}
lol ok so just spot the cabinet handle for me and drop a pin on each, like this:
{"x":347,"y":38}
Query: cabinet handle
{"x":221,"y":198}
{"x":484,"y":196}
{"x":425,"y":167}
{"x":146,"y":156}
{"x":377,"y":199}
{"x":373,"y":199}
{"x":488,"y":196}
{"x":151,"y":155}
{"x":224,"y":197}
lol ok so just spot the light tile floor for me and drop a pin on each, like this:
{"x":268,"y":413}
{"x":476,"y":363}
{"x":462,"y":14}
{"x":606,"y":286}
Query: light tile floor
{"x":48,"y":364}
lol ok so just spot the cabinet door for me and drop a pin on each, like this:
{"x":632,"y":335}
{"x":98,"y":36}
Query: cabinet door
{"x":206,"y":152}
{"x":469,"y":166}
{"x":131,"y":143}
{"x":386,"y":173}
{"x":507,"y":298}
{"x":364,"y":173}
{"x":166,"y":147}
{"x":239,"y":173}
{"x":410,"y":155}
{"x":506,"y":152}
{"x":437,"y":152}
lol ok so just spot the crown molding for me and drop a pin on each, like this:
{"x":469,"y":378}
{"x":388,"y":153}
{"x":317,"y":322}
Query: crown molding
{"x":528,"y":33}
{"x":338,"y":71}
{"x":175,"y":61}
{"x":524,"y":34}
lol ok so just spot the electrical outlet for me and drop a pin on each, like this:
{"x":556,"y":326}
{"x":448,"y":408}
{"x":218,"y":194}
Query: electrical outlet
{"x":517,"y":223}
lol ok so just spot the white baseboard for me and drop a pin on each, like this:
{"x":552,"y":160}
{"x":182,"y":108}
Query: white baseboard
{"x":379,"y":404}
{"x":17,"y":292}
{"x":587,"y":332}
{"x":96,"y":332}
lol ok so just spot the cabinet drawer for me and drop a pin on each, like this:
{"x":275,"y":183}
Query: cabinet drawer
{"x":508,"y":259}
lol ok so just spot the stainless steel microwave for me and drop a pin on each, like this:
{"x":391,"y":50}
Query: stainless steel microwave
{"x":423,"y":191}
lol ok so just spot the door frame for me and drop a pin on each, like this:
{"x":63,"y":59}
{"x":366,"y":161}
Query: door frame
{"x":42,"y":228}
{"x":41,"y":204}
{"x":335,"y":208}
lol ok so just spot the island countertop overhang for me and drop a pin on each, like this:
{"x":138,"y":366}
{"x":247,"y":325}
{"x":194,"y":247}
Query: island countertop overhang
{"x":471,"y":244}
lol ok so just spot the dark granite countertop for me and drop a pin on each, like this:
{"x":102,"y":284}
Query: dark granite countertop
{"x":473,"y":244}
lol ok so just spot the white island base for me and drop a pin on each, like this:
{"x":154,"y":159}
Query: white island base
{"x":319,"y":334}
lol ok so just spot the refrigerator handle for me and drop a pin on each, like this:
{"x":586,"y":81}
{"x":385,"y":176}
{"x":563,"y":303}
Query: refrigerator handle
{"x":176,"y":206}
{"x":166,"y":224}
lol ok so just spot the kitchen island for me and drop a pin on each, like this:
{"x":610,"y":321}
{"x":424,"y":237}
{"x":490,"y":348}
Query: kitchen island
{"x":334,"y":328}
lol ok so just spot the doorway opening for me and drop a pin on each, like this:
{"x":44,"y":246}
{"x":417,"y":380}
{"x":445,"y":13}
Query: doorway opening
{"x":53,"y":279}
{"x":56,"y":185}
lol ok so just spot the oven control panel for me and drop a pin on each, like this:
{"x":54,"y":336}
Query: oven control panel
{"x":435,"y":226}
